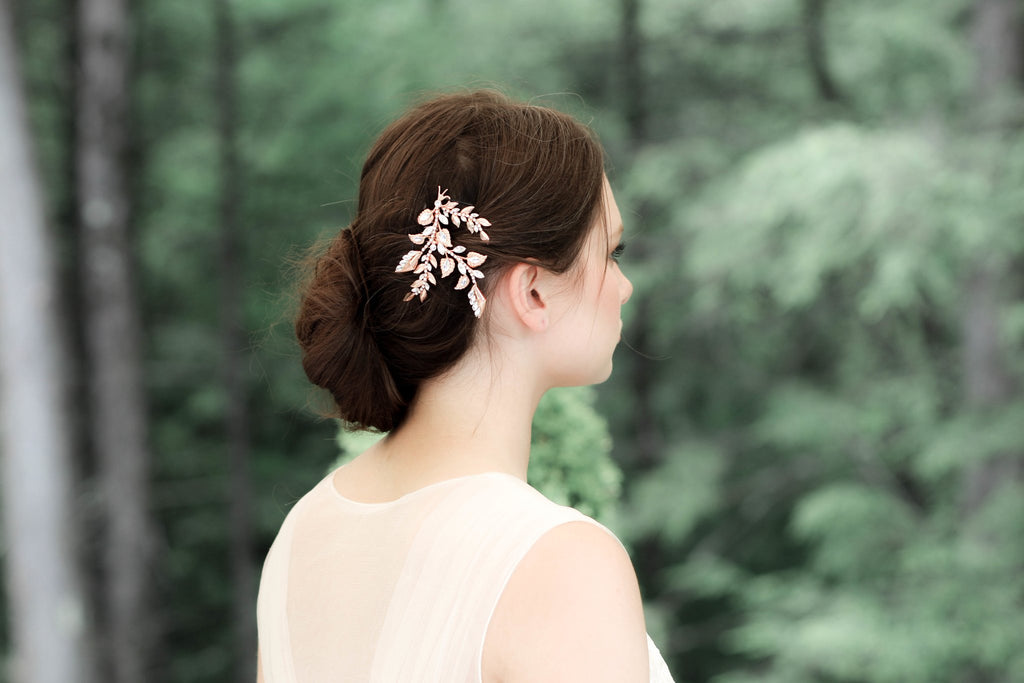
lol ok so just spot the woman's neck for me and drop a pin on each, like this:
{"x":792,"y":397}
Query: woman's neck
{"x":475,"y":418}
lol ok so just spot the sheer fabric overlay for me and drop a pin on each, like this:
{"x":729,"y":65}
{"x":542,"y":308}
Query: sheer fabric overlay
{"x":398,"y":591}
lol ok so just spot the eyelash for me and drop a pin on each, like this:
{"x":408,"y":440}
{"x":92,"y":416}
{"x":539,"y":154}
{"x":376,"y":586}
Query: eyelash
{"x":617,"y":251}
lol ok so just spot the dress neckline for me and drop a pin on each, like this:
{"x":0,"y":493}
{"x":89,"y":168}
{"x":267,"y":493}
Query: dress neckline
{"x":411,"y":495}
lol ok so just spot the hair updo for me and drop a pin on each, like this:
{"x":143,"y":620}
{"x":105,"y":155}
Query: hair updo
{"x":536,"y":174}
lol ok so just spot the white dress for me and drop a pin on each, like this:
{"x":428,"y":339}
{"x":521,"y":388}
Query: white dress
{"x":398,"y":591}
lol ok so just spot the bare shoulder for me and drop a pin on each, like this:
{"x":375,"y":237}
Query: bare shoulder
{"x":571,"y":612}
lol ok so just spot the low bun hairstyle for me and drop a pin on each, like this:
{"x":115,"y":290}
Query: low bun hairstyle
{"x":536,"y":174}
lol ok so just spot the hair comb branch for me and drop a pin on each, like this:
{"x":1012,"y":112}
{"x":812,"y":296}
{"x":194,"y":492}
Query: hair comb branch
{"x":437,"y":252}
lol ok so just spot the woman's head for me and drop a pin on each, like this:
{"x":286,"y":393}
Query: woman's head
{"x":537,"y":175}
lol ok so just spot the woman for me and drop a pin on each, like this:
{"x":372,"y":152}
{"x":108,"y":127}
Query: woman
{"x":479,"y":271}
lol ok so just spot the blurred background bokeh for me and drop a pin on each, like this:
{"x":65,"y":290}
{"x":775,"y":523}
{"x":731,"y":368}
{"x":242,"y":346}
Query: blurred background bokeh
{"x":816,"y":421}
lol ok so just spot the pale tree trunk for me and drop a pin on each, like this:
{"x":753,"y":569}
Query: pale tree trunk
{"x":996,"y":36}
{"x":233,"y":349}
{"x":113,"y":338}
{"x":48,"y":619}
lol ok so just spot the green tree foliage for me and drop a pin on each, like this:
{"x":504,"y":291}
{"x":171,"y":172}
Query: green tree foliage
{"x":814,"y":193}
{"x":570,"y":454}
{"x":822,"y":276}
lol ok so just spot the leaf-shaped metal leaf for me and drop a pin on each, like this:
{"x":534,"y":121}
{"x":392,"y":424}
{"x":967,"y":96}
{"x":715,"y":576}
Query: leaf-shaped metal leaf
{"x":408,"y":262}
{"x":447,"y":266}
{"x":462,"y":283}
{"x":426,"y":217}
{"x":477,"y":301}
{"x":475,"y":259}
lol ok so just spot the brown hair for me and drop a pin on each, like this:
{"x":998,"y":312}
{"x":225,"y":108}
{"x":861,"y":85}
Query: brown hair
{"x":535,"y":173}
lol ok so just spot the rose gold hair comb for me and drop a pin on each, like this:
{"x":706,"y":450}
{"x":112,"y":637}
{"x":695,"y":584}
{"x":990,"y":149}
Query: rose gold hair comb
{"x":438,"y":253}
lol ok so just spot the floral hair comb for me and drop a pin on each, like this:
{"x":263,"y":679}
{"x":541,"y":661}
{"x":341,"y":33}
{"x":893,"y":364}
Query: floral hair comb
{"x":437,"y":251}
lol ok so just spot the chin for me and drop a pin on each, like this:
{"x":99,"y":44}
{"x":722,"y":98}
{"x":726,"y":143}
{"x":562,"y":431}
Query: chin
{"x":583,"y":367}
{"x":584,"y":379}
{"x":601,"y":376}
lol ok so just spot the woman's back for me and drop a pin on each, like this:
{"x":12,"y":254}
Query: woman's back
{"x":396,"y":591}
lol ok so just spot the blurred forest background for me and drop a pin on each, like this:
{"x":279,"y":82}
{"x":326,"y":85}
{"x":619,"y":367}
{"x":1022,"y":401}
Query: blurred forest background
{"x":815,"y":430}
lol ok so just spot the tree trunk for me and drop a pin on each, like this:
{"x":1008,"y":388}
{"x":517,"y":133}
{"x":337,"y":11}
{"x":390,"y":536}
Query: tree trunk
{"x":647,"y":441}
{"x":233,"y":348}
{"x":113,"y":337}
{"x":42,"y":569}
{"x":633,"y":81}
{"x":817,"y":55}
{"x":986,"y":381}
{"x":996,"y":35}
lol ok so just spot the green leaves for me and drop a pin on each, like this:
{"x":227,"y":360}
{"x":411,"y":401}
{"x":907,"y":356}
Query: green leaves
{"x":570,"y":453}
{"x":837,"y":199}
{"x":854,"y":529}
{"x":672,"y":499}
{"x":971,"y":439}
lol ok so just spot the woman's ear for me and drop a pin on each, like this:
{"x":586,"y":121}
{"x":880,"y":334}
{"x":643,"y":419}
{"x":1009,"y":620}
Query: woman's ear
{"x":526,"y":287}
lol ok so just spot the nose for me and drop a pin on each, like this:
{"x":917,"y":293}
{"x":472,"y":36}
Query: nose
{"x":625,"y":288}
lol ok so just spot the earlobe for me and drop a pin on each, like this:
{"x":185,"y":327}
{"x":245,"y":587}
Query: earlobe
{"x":525,"y":285}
